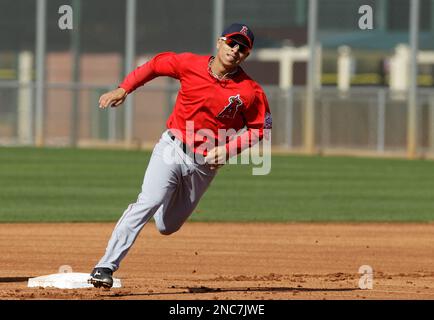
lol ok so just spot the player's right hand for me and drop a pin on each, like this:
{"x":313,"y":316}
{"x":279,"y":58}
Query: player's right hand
{"x":216,"y":157}
{"x":112,"y":98}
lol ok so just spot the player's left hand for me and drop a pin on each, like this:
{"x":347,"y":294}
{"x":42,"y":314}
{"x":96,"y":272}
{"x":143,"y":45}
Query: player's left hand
{"x":216,"y":157}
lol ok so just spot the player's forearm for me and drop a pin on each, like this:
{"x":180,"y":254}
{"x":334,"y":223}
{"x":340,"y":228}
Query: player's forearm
{"x":244,"y":141}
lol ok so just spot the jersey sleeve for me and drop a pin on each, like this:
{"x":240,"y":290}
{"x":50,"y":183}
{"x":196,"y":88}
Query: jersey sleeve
{"x":164,"y":64}
{"x":258,"y":122}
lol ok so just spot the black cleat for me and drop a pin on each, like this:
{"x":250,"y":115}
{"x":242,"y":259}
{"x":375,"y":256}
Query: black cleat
{"x":101,"y":277}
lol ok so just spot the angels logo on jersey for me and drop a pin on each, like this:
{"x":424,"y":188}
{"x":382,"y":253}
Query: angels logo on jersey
{"x":231,"y":109}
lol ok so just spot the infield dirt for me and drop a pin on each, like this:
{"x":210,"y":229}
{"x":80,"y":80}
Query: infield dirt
{"x":227,"y":261}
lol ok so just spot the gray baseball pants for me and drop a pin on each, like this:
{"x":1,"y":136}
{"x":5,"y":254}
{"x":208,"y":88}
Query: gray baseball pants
{"x":172,"y":187}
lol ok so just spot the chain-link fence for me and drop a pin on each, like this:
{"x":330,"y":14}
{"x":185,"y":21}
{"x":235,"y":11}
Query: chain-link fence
{"x":363,"y":119}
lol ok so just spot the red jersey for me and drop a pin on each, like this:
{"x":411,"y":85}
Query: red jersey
{"x":232,"y":103}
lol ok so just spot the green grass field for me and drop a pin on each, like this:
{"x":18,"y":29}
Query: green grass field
{"x":56,"y":184}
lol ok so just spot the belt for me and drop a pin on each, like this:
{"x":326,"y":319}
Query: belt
{"x":184,"y":146}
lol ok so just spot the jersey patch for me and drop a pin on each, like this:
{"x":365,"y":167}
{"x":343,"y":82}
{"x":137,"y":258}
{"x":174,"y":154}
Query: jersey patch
{"x":231,"y":109}
{"x":268,"y":121}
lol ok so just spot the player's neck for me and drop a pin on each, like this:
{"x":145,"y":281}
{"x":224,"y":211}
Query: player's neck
{"x":220,"y":71}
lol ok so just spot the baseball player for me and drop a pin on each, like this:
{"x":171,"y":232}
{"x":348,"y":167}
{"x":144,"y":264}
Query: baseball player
{"x":215,"y":94}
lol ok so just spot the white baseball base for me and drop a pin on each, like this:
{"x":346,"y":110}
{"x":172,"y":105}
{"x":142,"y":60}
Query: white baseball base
{"x":69,"y":280}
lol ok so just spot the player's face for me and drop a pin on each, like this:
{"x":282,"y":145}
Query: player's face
{"x":230,"y":53}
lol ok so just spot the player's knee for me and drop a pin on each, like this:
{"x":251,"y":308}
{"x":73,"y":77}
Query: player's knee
{"x":150,"y":202}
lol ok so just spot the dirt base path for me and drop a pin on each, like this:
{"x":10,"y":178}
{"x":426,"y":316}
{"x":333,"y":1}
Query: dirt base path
{"x":227,"y":261}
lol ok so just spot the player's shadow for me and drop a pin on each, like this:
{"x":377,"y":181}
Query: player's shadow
{"x":202,"y":289}
{"x":265,"y":289}
{"x":13,"y":279}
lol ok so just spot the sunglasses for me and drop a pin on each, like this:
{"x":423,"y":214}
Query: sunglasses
{"x":232,"y":43}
